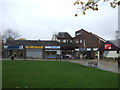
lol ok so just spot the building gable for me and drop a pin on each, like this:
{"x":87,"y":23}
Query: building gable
{"x":108,"y":46}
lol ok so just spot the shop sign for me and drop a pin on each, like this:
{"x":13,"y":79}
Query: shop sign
{"x":21,"y":47}
{"x":5,"y":47}
{"x":76,"y":49}
{"x":95,"y":49}
{"x":88,"y":49}
{"x":53,"y":47}
{"x":13,"y":47}
{"x":107,"y":46}
{"x":82,"y":49}
{"x":33,"y":47}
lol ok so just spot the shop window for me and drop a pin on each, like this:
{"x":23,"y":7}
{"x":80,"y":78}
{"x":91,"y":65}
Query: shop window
{"x":10,"y":53}
{"x":50,"y":54}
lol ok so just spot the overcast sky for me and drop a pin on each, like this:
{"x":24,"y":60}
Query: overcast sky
{"x":40,"y":19}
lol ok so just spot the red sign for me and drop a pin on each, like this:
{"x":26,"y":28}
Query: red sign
{"x":107,"y":46}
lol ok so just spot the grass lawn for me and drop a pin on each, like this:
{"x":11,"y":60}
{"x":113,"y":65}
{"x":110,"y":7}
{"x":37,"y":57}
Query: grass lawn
{"x":55,"y":74}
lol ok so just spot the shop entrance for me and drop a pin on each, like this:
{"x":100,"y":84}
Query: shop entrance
{"x":15,"y":53}
{"x":50,"y":54}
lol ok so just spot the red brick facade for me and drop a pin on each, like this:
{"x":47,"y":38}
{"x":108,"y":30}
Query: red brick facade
{"x":84,"y":39}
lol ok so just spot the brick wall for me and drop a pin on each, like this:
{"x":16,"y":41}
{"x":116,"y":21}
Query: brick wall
{"x":87,"y":40}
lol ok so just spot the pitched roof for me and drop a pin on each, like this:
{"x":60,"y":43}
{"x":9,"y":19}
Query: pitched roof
{"x":24,"y":43}
{"x":32,"y":43}
{"x":113,"y":47}
{"x":82,"y":30}
{"x":63,"y":35}
{"x":50,"y":43}
{"x":68,"y":46}
{"x":116,"y":42}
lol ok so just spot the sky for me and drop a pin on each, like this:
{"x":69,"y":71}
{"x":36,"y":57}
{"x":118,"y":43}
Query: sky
{"x":40,"y":19}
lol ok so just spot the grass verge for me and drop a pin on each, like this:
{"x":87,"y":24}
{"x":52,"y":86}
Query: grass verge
{"x":55,"y":74}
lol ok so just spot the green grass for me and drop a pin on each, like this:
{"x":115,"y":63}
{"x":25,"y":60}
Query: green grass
{"x":55,"y":74}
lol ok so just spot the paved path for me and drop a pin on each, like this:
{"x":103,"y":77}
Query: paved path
{"x":104,"y":65}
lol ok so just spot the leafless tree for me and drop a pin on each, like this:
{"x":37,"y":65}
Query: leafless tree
{"x":10,"y":35}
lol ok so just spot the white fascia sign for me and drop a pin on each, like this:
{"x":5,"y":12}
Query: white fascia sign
{"x":21,"y":47}
{"x":88,"y":49}
{"x":53,"y":47}
{"x":95,"y":49}
{"x":5,"y":47}
{"x":76,"y":49}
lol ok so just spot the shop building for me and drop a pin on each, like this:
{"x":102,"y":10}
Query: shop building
{"x":32,"y":49}
{"x":17,"y":51}
{"x":52,"y":49}
{"x":83,"y":45}
{"x":23,"y":49}
{"x":13,"y":48}
{"x":87,"y":44}
{"x":66,"y":42}
{"x":34,"y":52}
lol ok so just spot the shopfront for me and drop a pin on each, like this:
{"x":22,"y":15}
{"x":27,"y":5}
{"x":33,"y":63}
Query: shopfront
{"x":86,"y":53}
{"x":16,"y":51}
{"x":52,"y":52}
{"x":34,"y":52}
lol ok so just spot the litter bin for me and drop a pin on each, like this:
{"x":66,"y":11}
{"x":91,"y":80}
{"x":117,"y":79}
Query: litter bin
{"x":12,"y":57}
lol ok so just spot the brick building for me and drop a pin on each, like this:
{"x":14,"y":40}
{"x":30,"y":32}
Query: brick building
{"x":63,"y":45}
{"x":87,"y":43}
{"x":83,"y":45}
{"x":32,"y":49}
{"x":66,"y":42}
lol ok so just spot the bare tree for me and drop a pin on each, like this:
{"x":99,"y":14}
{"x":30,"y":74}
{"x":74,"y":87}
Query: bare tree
{"x":10,"y":35}
{"x":93,"y":4}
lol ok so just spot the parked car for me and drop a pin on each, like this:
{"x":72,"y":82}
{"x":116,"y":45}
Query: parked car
{"x":67,"y":56}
